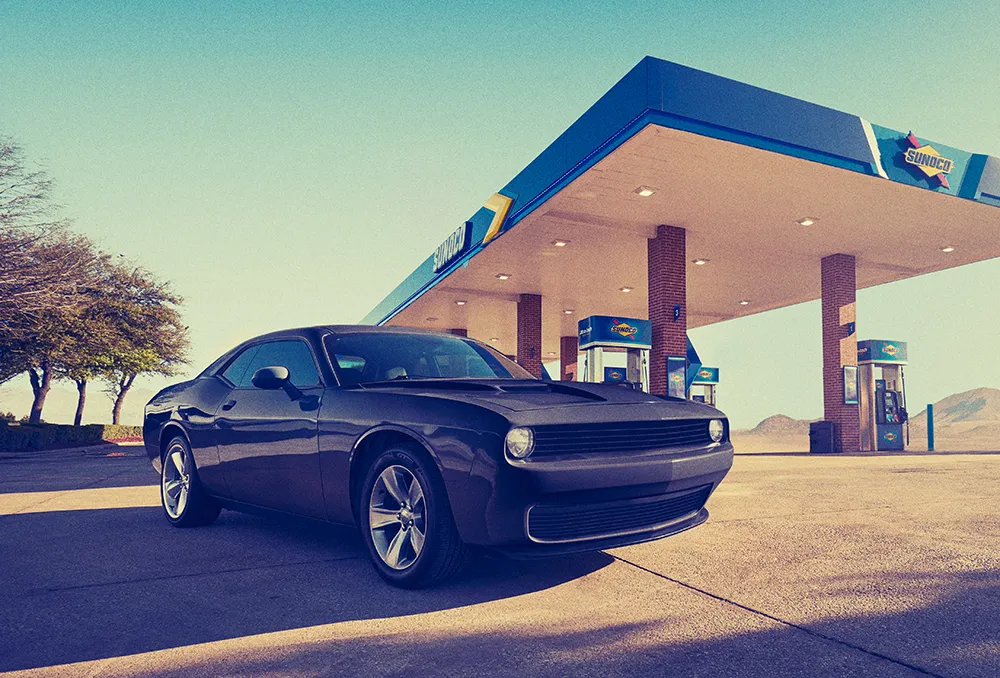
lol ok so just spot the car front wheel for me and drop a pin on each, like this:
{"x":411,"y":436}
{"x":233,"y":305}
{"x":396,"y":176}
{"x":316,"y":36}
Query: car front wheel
{"x":406,"y":521}
{"x":185,"y":502}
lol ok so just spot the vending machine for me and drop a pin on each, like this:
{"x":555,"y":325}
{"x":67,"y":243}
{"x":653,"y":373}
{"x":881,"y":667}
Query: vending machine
{"x":882,"y":395}
{"x":616,"y":350}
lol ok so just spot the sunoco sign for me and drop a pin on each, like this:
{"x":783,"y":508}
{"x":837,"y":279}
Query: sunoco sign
{"x":453,"y":247}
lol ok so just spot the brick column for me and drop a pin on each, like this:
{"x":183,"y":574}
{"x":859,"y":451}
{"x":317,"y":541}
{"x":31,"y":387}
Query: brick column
{"x":529,"y":333}
{"x":459,"y":331}
{"x":569,"y":350}
{"x":666,"y":261}
{"x":840,"y":347}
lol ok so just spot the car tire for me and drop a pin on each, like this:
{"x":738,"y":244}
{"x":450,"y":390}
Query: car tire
{"x":429,"y":548}
{"x":184,"y":500}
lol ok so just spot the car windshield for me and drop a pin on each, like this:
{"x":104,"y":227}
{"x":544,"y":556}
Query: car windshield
{"x":362,"y":357}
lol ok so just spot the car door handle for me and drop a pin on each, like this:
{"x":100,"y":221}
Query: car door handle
{"x":229,"y":405}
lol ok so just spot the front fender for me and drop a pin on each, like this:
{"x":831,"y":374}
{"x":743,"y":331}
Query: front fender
{"x":190,"y":408}
{"x":453,"y":434}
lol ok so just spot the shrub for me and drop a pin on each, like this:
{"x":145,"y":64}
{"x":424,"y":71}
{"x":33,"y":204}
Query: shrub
{"x":15,"y":437}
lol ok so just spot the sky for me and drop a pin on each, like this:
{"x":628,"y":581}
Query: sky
{"x":287,"y":164}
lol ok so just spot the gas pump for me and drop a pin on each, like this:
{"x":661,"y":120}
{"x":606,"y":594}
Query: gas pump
{"x":882,"y":395}
{"x":615,"y":350}
{"x":705,"y":385}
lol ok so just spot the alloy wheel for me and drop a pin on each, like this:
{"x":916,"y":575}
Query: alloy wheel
{"x":397,"y":517}
{"x":175,"y":485}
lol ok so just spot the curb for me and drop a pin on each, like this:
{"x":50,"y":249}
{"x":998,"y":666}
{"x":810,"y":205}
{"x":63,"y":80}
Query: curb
{"x":92,"y":450}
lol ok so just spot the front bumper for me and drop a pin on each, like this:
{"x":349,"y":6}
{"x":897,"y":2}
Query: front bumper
{"x":533,"y":551}
{"x":600,"y":490}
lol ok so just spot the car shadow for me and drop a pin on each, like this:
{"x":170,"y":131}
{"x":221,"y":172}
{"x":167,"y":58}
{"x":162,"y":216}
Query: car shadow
{"x":62,"y":470}
{"x":954,"y":635}
{"x":81,"y":585}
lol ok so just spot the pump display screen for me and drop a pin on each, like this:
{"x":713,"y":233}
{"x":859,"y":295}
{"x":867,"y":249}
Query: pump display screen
{"x":887,"y":406}
{"x":891,"y":408}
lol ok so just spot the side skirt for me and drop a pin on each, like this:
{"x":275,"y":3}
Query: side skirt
{"x":266,"y":512}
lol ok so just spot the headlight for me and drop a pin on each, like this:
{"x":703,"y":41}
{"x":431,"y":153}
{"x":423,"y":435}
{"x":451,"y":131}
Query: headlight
{"x":520,"y":442}
{"x":716,"y":429}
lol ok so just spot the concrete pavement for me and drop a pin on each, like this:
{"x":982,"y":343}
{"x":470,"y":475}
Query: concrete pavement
{"x":808,"y":566}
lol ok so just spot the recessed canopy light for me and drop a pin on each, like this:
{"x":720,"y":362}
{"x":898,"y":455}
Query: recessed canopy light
{"x":645,"y":191}
{"x":431,"y":319}
{"x":560,"y":243}
{"x":568,"y":311}
{"x":744,"y":302}
{"x":552,"y":352}
{"x":460,"y":302}
{"x":806,"y":221}
{"x":700,"y":262}
{"x":494,"y":339}
{"x":626,"y":290}
{"x":947,"y":248}
{"x":503,"y":276}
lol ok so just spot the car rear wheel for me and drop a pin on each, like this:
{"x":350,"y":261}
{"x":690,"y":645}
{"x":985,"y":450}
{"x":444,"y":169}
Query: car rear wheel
{"x":406,"y":521}
{"x":185,"y":502}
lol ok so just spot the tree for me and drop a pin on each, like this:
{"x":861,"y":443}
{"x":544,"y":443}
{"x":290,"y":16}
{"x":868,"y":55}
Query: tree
{"x":24,"y":193}
{"x":43,"y":266}
{"x":39,"y":336}
{"x":40,"y":353}
{"x":68,"y":311}
{"x":86,"y":354}
{"x":148,"y":335}
{"x":11,"y":364}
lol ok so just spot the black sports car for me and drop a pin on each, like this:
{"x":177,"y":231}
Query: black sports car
{"x":430,"y":443}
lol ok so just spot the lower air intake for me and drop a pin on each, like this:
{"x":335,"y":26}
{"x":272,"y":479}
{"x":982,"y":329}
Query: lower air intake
{"x":577,"y":522}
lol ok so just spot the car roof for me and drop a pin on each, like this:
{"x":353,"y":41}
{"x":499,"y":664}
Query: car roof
{"x":315,"y":332}
{"x":394,"y":329}
{"x":346,"y":329}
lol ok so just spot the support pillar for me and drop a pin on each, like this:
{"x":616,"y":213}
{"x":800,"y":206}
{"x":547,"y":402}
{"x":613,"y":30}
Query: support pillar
{"x":529,"y":333}
{"x":666,"y":260}
{"x":569,"y":355}
{"x":459,"y":331}
{"x":840,"y":347}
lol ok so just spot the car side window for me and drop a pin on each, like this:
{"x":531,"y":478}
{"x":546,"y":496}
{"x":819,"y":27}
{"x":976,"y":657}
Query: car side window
{"x":294,"y":355}
{"x":238,"y":366}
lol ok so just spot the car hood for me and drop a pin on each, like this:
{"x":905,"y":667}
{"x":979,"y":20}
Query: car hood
{"x":523,"y":395}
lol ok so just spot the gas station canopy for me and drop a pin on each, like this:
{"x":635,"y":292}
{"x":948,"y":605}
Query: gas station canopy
{"x":765,"y":186}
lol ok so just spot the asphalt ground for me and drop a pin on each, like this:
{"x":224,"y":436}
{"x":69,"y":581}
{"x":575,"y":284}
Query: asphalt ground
{"x":811,"y":566}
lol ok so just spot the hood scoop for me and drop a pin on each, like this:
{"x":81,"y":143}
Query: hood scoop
{"x":550,"y":387}
{"x":433,"y":384}
{"x":525,"y":388}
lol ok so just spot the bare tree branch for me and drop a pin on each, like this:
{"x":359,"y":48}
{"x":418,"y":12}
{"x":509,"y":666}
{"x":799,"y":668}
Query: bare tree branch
{"x":43,"y":266}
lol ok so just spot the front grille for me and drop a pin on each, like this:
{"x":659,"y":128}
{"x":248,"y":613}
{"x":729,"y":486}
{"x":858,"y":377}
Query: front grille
{"x":567,"y":523}
{"x":626,"y":436}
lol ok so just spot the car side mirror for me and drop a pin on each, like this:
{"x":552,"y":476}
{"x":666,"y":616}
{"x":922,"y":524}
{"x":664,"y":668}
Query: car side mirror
{"x":274,"y":377}
{"x":270,"y":378}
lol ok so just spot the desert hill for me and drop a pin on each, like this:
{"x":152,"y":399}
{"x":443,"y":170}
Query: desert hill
{"x":963,"y":421}
{"x":780,"y":424}
{"x":976,"y":407}
{"x":968,"y":420}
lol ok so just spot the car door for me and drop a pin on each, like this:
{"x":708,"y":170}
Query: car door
{"x":267,"y":439}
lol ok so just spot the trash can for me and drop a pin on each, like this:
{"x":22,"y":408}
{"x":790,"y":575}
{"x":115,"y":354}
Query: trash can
{"x":821,"y":437}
